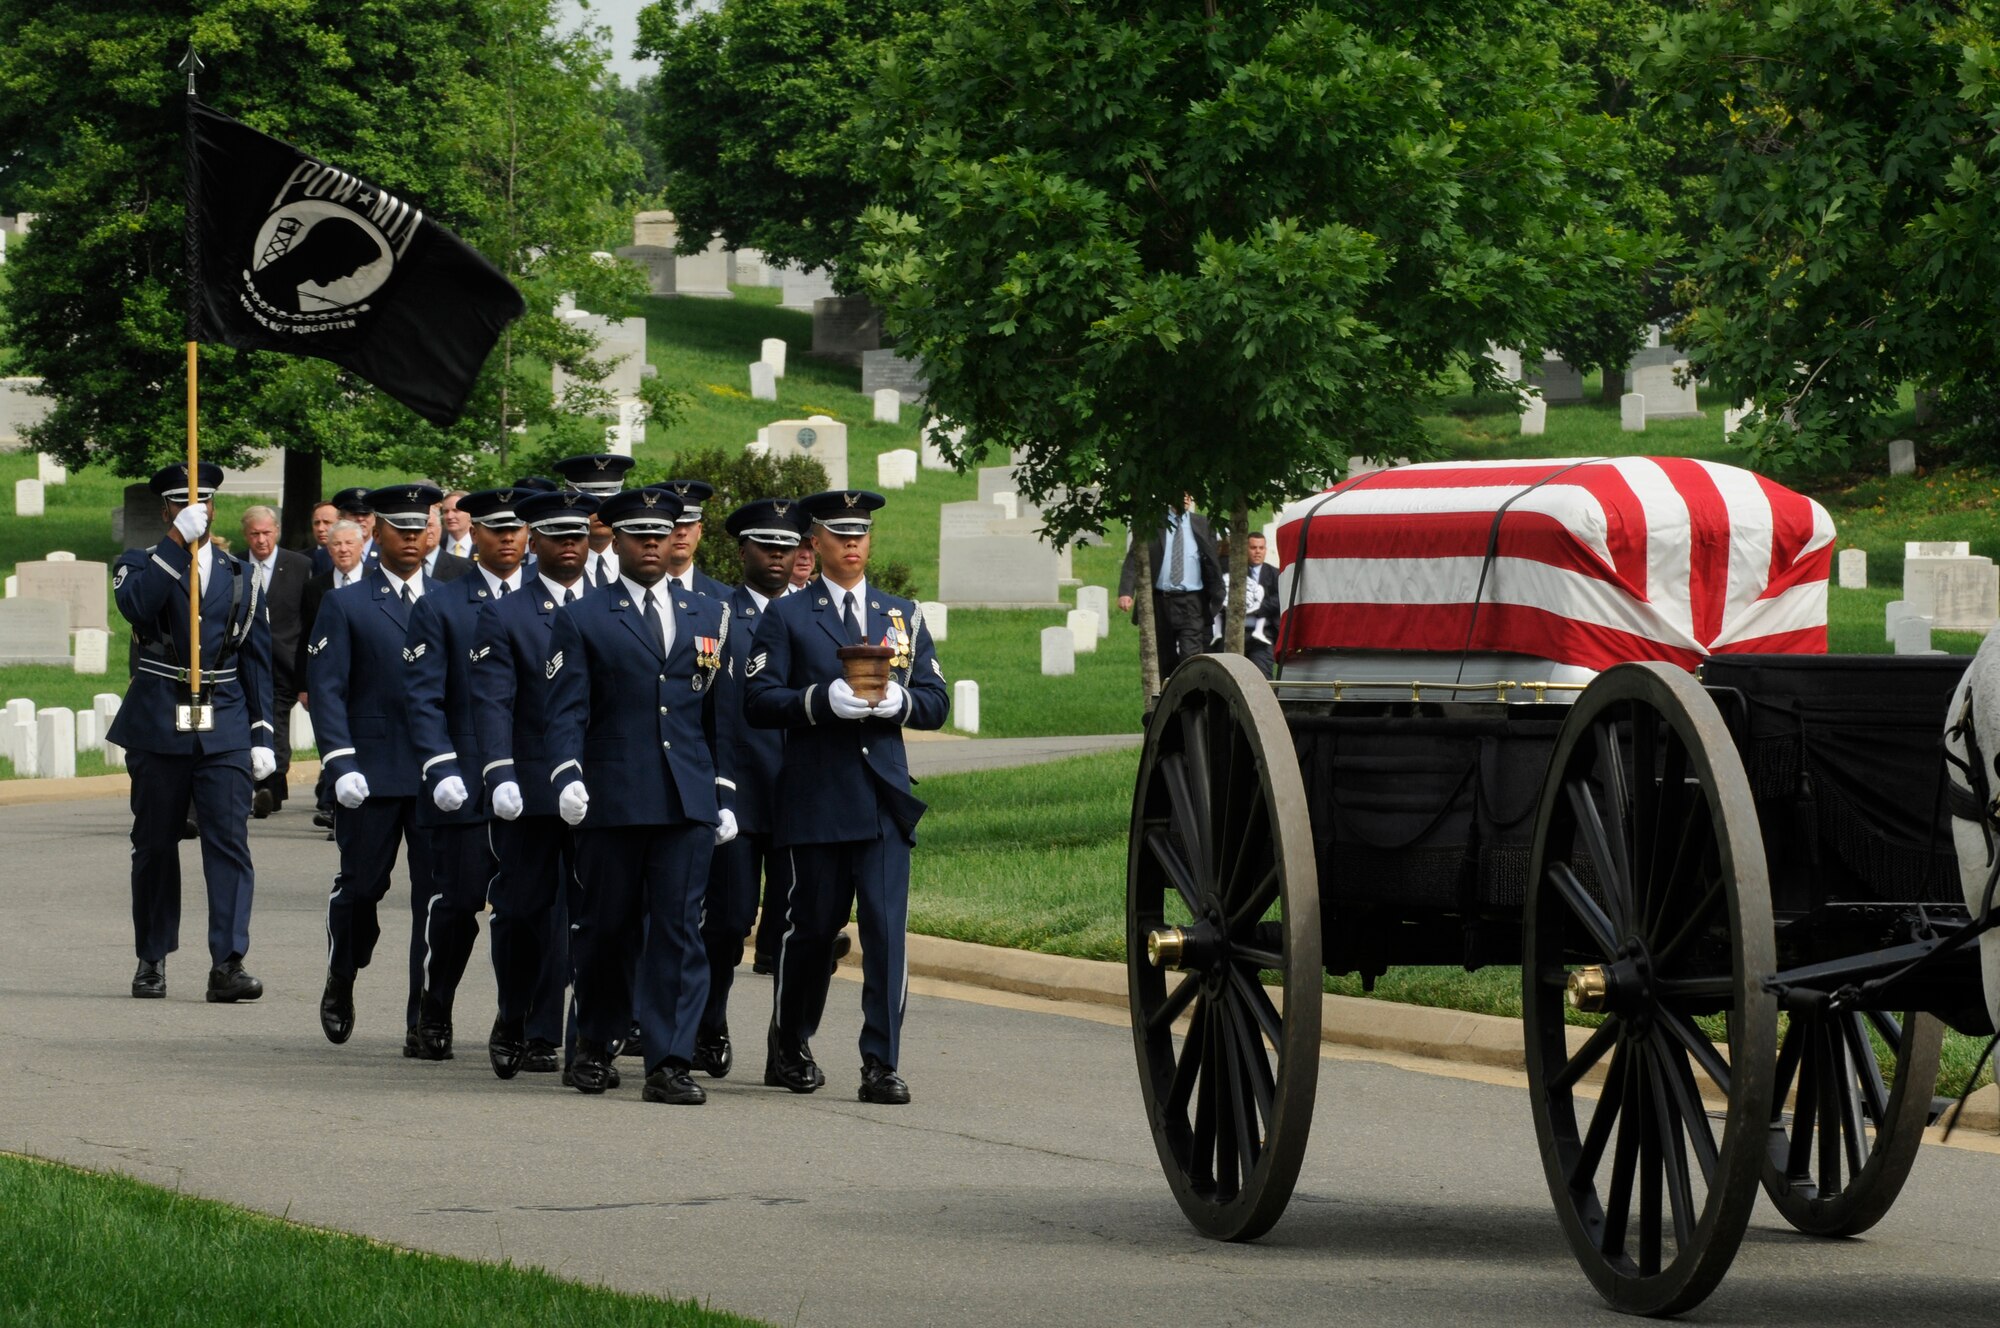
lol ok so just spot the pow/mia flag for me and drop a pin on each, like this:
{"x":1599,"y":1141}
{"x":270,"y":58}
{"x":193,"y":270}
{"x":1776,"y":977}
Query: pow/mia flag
{"x":293,"y":254}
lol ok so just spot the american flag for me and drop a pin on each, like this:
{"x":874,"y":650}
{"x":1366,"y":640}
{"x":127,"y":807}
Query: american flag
{"x":1593,"y":562}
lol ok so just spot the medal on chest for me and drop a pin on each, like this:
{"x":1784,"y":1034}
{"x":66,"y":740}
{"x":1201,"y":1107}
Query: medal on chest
{"x":898,"y":639}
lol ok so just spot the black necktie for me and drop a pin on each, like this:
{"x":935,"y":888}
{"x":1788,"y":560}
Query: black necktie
{"x":503,"y":589}
{"x":569,"y":595}
{"x":649,"y":613}
{"x":408,"y":598}
{"x":851,"y":622}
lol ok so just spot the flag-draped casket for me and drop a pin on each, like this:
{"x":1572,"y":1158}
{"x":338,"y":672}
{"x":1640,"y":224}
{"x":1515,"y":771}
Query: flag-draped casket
{"x":1586,"y":562}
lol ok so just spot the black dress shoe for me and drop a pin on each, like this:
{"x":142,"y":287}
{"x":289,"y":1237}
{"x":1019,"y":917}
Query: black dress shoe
{"x":336,"y":1009}
{"x":632,"y":1045}
{"x":433,"y":1030}
{"x":412,"y":1043}
{"x":712,"y":1054}
{"x":881,"y":1084}
{"x":323,"y":819}
{"x":229,"y":984}
{"x":261,"y":804}
{"x":764,"y":962}
{"x":672,"y":1084}
{"x":189,"y":829}
{"x":540,"y":1057}
{"x":150,"y":982}
{"x":506,"y":1048}
{"x":787,"y":1068}
{"x":590,"y":1072}
{"x":611,"y":1078}
{"x":843,"y":945}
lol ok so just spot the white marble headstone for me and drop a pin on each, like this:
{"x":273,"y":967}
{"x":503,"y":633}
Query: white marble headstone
{"x":1083,"y":627}
{"x":888,"y":405}
{"x":937,"y":617}
{"x":1894,"y":612}
{"x":1534,"y":417}
{"x":106,"y":705}
{"x":28,"y":498}
{"x":1913,"y":635}
{"x":1098,"y":600}
{"x":13,"y":586}
{"x":1058,"y":652}
{"x":896,"y":468}
{"x":1937,"y":548}
{"x":1903,"y":456}
{"x":89,"y":735}
{"x":930,"y":455}
{"x":763,"y":382}
{"x":965,"y":705}
{"x":1632,"y":413}
{"x":93,"y":651}
{"x":773,"y":353}
{"x":60,"y":556}
{"x":1009,"y":504}
{"x":81,"y":585}
{"x":1853,"y":569}
{"x":24,"y":747}
{"x":49,"y":470}
{"x":819,"y":437}
{"x":56,"y":742}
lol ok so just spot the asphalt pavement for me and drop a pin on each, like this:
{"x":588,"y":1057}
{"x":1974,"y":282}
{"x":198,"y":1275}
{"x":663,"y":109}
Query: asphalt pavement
{"x":1020,"y":1186}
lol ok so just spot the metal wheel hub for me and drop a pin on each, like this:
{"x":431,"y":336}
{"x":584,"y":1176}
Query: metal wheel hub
{"x":1622,"y":987}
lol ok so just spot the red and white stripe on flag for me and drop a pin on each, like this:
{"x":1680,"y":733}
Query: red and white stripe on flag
{"x":1595,"y":562}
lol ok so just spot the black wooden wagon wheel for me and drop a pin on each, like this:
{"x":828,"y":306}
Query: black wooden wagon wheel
{"x":1649,"y":904}
{"x":1842,"y":1140}
{"x":1220,"y":890}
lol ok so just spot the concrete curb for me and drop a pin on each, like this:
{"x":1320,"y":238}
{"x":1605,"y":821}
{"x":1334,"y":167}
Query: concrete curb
{"x":1411,"y":1030}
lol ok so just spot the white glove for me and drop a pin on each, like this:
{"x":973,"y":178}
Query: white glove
{"x":449,"y":795}
{"x":845,"y":703}
{"x":192,"y":522}
{"x":574,"y":803}
{"x":726,"y":830}
{"x":891,"y":704}
{"x":507,"y":804}
{"x":351,"y":789}
{"x":263,"y":763}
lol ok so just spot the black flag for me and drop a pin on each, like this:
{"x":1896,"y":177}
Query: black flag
{"x":291,"y":254}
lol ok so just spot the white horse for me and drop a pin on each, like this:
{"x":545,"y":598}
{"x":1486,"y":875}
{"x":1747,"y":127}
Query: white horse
{"x":1972,"y":748}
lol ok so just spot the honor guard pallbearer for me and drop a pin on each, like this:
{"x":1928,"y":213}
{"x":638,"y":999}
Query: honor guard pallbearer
{"x":357,"y":681}
{"x":438,"y":652}
{"x":510,"y":686}
{"x":177,"y":763}
{"x":634,"y":672}
{"x":844,"y":809}
{"x":681,"y":570}
{"x":768,"y":533}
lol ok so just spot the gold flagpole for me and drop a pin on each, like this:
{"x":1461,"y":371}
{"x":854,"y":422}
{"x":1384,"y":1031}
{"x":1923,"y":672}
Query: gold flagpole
{"x":194,"y":560}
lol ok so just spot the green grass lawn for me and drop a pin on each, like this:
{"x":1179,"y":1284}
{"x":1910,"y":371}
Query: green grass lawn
{"x":82,"y":1248}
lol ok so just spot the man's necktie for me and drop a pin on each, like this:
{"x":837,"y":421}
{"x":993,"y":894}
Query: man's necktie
{"x":503,"y":589}
{"x":569,"y":594}
{"x":850,"y":621}
{"x":1176,"y":552}
{"x":408,"y":598}
{"x":649,"y":612}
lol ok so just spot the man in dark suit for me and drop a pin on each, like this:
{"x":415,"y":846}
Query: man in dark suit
{"x":282,"y":575}
{"x":634,"y":670}
{"x":1187,"y":584}
{"x":1260,"y":606}
{"x":510,"y":686}
{"x":768,"y":532}
{"x":358,"y":685}
{"x":438,"y":565}
{"x":180,"y":766}
{"x":844,"y":810}
{"x":439,"y":652}
{"x":681,"y":570}
{"x":324,"y":515}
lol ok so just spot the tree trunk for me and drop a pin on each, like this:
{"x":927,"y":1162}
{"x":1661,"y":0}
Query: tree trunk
{"x":1613,"y":387}
{"x":1149,"y":631}
{"x":302,"y":494}
{"x":1239,"y":576}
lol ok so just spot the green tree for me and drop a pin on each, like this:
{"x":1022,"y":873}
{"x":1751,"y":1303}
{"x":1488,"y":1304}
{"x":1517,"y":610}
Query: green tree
{"x":450,"y":102}
{"x":1153,"y":248}
{"x":754,"y":115}
{"x":1851,"y":239}
{"x":627,"y":104}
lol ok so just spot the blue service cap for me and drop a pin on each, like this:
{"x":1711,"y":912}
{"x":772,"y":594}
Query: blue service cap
{"x":538,"y":483}
{"x":557,"y":515}
{"x":649,"y":511}
{"x":843,"y":511}
{"x":406,"y":506}
{"x":352,"y":501}
{"x":692,"y":494}
{"x":600,"y":473}
{"x":774,"y":521}
{"x":171,"y":483}
{"x":493,"y":508}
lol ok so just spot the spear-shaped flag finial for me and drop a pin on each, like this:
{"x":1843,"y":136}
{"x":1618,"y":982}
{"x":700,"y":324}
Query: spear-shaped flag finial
{"x":191,"y":65}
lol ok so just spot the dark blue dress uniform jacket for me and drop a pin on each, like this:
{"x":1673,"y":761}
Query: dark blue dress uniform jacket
{"x":630,"y":724}
{"x":837,"y":773}
{"x":756,"y":753}
{"x":357,"y":683}
{"x":439,"y":648}
{"x":151,"y":589}
{"x":510,"y":695}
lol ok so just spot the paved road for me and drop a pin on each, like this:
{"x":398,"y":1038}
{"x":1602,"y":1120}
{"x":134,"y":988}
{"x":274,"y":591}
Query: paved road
{"x":1020,"y":1187}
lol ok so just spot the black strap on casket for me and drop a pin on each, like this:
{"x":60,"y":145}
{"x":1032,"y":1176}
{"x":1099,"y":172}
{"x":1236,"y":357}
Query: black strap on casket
{"x":1285,"y":618}
{"x":1493,"y":553}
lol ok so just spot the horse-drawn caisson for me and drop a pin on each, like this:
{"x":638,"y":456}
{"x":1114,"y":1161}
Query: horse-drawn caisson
{"x":1576,"y":716}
